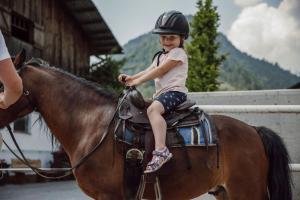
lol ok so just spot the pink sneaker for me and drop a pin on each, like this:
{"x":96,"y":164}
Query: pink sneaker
{"x":158,"y":160}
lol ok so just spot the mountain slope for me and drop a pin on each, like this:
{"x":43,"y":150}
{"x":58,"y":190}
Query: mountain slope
{"x":254,"y":73}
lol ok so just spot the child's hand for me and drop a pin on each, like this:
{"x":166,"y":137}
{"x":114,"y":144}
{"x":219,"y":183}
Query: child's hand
{"x":122,"y":78}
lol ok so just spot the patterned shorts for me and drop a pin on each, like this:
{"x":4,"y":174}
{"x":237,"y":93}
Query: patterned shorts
{"x":170,"y":100}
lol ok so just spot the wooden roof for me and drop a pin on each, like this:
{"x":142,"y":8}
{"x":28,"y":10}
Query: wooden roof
{"x":101,"y":39}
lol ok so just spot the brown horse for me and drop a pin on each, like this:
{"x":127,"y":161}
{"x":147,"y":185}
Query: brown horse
{"x":253,"y":161}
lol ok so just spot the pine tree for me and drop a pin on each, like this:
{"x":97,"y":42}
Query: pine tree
{"x":204,"y":61}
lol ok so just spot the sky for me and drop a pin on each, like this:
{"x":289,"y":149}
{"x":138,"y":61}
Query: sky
{"x":265,"y":29}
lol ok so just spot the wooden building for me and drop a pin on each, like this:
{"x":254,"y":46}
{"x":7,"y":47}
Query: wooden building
{"x":64,"y":33}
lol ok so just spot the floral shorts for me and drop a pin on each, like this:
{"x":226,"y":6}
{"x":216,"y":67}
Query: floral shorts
{"x":170,"y":100}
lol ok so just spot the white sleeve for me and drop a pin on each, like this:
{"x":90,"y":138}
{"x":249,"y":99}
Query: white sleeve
{"x":177,"y":54}
{"x":3,"y":49}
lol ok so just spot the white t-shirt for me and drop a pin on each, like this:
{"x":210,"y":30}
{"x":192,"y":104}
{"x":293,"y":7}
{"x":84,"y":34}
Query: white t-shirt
{"x":3,"y":49}
{"x":175,"y":78}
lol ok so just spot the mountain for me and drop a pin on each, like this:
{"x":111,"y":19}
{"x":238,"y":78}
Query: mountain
{"x":240,"y":71}
{"x":246,"y":72}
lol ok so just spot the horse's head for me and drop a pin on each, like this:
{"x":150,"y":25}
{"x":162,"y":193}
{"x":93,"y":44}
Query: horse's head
{"x":23,"y":105}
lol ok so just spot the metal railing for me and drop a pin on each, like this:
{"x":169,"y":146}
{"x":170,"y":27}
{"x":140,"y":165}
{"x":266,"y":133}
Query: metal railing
{"x":295,"y":167}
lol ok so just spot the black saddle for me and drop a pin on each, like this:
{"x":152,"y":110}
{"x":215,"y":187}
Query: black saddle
{"x":134,"y":109}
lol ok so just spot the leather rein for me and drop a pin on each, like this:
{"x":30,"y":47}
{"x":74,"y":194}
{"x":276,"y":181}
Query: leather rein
{"x":25,"y":100}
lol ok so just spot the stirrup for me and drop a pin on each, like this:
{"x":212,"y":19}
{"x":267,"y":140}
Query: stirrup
{"x":142,"y":186}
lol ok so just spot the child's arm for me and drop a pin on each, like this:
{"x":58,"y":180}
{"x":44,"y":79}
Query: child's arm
{"x":152,"y":73}
{"x":130,"y":78}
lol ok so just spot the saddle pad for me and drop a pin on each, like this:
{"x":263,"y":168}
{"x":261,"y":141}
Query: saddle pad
{"x":196,"y":135}
{"x":199,"y":134}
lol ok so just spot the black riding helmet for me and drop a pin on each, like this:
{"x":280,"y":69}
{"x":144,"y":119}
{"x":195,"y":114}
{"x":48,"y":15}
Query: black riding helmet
{"x":172,"y":22}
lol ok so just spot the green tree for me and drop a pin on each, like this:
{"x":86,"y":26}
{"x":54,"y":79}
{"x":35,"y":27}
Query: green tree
{"x":105,"y":72}
{"x":204,"y":61}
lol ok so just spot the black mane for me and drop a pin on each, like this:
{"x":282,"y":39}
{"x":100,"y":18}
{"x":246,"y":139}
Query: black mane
{"x":38,"y":62}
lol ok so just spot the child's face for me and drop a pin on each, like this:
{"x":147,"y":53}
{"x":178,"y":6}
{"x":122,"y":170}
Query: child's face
{"x":169,"y":42}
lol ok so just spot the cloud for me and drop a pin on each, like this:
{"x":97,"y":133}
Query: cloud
{"x":245,"y":3}
{"x":271,"y":33}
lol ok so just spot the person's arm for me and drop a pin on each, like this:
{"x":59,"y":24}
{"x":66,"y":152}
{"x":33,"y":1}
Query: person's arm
{"x":12,"y":83}
{"x":138,"y":75}
{"x":153,"y":73}
{"x":135,"y":76}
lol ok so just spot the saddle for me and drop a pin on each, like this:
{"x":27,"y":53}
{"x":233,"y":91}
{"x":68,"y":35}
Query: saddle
{"x":186,"y":126}
{"x":133,"y":109}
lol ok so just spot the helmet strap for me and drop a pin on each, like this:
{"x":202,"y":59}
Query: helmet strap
{"x":158,"y":54}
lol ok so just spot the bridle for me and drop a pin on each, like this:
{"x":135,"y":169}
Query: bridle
{"x":26,"y":100}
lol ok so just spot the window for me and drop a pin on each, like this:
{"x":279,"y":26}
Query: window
{"x":21,"y":125}
{"x":22,"y":28}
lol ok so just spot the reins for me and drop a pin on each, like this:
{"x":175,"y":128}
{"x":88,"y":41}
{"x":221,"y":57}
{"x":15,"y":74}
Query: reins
{"x":68,"y":172}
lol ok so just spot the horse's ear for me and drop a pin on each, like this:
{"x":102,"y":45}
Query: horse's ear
{"x":19,"y":59}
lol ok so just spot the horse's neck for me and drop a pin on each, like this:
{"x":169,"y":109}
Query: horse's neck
{"x":76,"y":115}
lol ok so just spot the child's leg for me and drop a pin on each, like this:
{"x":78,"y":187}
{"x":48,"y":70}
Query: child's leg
{"x":163,"y":103}
{"x":158,"y":124}
{"x":161,"y":154}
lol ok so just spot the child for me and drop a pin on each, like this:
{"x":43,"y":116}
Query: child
{"x":9,"y":78}
{"x":169,"y":70}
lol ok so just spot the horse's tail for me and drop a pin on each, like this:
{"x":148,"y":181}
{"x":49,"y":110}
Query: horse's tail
{"x":279,"y":177}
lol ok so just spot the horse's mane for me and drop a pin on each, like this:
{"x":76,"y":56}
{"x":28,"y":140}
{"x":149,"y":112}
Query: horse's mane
{"x":38,"y":62}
